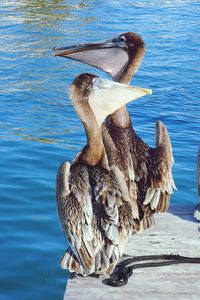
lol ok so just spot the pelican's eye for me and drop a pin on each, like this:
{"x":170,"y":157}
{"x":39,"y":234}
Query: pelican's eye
{"x":122,"y":38}
{"x":120,"y":41}
{"x":97,"y":82}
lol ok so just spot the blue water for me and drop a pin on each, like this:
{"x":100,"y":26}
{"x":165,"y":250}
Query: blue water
{"x":39,"y":129}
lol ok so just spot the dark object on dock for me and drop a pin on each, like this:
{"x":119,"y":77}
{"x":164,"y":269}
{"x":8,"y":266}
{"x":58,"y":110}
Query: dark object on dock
{"x":124,"y":270}
{"x":176,"y":233}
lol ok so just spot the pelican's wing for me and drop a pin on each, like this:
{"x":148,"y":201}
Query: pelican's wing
{"x":75,"y":212}
{"x":95,"y":215}
{"x":159,"y":179}
{"x":113,"y":213}
{"x":126,"y":186}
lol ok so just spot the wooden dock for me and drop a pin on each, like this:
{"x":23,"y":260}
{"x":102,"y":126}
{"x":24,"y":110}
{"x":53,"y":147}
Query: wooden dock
{"x":175,"y":232}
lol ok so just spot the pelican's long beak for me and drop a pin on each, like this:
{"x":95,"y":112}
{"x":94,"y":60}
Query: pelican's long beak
{"x":107,"y":96}
{"x":108,"y":56}
{"x":69,"y":50}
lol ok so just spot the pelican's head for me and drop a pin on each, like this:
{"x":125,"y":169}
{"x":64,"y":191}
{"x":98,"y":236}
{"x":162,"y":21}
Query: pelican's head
{"x":103,"y":96}
{"x":111,"y":56}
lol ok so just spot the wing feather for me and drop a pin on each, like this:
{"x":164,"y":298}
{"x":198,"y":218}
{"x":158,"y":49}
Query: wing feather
{"x":96,"y":217}
{"x":160,"y":179}
{"x":75,"y":212}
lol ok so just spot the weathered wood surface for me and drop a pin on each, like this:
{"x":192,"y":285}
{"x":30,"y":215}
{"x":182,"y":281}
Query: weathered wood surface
{"x":175,"y":232}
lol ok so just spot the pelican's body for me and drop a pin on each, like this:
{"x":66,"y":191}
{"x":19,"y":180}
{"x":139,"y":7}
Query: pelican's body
{"x":93,"y":201}
{"x":197,"y":210}
{"x":147,"y":170}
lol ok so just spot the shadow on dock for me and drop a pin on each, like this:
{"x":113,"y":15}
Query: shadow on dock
{"x":185,"y":213}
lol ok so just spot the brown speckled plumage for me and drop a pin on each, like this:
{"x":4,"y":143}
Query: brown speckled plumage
{"x":94,"y":214}
{"x":147,"y":170}
{"x":93,"y":202}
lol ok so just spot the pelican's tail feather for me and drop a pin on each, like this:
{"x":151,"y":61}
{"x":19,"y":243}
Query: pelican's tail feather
{"x":163,"y":203}
{"x":148,"y":221}
{"x":70,"y":262}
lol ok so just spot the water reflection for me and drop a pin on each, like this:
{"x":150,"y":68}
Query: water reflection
{"x":60,"y":136}
{"x":29,"y":137}
{"x":47,"y":13}
{"x":30,"y":73}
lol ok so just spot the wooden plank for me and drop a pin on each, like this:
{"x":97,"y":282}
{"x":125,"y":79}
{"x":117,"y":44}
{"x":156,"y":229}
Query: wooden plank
{"x":175,"y":232}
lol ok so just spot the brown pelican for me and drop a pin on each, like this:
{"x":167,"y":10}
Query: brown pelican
{"x":92,"y":199}
{"x":197,"y":210}
{"x":147,"y":170}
